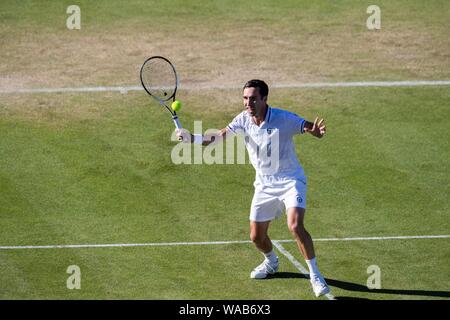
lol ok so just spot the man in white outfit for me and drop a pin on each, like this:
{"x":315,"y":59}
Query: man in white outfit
{"x":280,"y":182}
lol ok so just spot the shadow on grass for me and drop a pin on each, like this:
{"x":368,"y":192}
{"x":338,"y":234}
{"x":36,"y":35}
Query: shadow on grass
{"x":349,"y":286}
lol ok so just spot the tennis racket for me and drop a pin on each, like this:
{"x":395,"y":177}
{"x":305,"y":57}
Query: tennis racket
{"x":159,"y":79}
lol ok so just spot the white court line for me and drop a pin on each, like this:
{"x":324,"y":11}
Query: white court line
{"x":377,"y":238}
{"x":162,"y":244}
{"x":297,"y":264}
{"x":112,"y":245}
{"x":125,"y":89}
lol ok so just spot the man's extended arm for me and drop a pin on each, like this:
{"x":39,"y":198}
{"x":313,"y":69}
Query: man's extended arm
{"x":203,"y":139}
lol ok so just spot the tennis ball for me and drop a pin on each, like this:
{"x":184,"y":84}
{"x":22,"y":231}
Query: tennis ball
{"x":176,"y":106}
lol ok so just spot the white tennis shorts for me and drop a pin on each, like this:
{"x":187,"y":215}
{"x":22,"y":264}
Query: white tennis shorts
{"x":270,"y":200}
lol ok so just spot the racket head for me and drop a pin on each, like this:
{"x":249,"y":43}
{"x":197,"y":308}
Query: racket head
{"x":159,"y":78}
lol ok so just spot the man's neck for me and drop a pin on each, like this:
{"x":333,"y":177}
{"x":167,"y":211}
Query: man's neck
{"x":261,"y":117}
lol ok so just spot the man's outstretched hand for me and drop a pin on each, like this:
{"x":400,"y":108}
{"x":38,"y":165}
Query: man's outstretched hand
{"x":317,"y":128}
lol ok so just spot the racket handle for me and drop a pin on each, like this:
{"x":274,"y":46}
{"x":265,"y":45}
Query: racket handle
{"x":177,"y":122}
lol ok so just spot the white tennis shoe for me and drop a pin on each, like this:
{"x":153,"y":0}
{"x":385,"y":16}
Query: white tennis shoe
{"x":319,"y":285}
{"x":264,"y":269}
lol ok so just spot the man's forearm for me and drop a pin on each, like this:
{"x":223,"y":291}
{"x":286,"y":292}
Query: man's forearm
{"x":207,"y":139}
{"x":307,"y":127}
{"x":200,"y":139}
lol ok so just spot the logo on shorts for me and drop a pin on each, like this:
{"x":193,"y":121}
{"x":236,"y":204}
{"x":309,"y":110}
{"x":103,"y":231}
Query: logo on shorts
{"x":299,"y":199}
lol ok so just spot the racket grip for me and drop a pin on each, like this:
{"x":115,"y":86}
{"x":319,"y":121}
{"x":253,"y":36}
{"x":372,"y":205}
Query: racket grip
{"x":178,"y":125}
{"x":177,"y":122}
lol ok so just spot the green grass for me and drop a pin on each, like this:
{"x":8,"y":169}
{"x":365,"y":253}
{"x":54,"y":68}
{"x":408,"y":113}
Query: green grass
{"x":221,"y":272}
{"x":103,"y":174}
{"x":178,"y":13}
{"x":221,"y":41}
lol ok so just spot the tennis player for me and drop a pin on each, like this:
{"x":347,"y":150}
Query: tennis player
{"x":280,"y":181}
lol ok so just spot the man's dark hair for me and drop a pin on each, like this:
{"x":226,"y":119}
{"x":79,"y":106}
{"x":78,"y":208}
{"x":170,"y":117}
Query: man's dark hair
{"x":261,"y":85}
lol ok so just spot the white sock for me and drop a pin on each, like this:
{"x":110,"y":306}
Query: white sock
{"x":271,"y":256}
{"x":312,"y":265}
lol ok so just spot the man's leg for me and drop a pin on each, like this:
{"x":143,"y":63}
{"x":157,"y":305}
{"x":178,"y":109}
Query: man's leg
{"x":259,"y":236}
{"x":295,"y":217}
{"x":304,"y":241}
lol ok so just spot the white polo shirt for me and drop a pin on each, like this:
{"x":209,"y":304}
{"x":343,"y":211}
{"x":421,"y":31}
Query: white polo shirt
{"x":270,"y":146}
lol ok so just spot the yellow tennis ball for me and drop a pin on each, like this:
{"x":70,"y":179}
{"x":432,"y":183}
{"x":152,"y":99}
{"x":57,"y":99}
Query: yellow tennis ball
{"x":176,"y":106}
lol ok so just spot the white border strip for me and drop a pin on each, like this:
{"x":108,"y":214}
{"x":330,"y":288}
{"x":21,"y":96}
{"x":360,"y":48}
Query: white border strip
{"x":162,"y":244}
{"x":366,"y":84}
{"x":297,"y":264}
{"x":125,"y":89}
{"x":73,"y":90}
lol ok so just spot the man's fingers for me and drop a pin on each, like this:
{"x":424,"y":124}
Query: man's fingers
{"x":322,"y":127}
{"x":314,"y":124}
{"x":320,"y":122}
{"x":318,"y":126}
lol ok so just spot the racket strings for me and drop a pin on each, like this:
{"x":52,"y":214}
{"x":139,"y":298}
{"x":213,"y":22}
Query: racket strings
{"x":159,"y":78}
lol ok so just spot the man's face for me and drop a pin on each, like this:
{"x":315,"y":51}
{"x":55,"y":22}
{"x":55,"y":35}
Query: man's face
{"x":253,"y":101}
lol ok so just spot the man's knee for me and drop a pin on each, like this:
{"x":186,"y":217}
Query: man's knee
{"x":295,"y":222}
{"x":297,"y":229}
{"x":257,"y":237}
{"x":258,"y":232}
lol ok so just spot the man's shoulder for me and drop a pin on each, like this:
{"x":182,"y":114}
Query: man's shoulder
{"x":241,"y":116}
{"x":239,"y":122}
{"x":277,"y":112}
